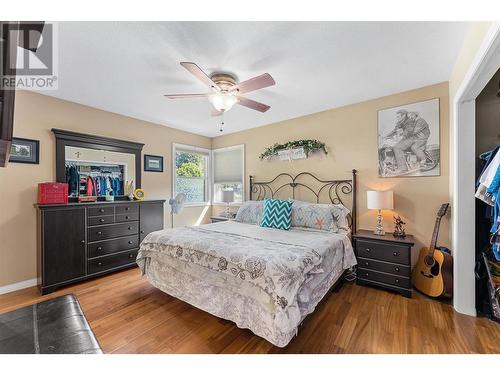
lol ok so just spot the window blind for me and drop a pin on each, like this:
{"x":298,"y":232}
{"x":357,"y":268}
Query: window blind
{"x":228,"y":166}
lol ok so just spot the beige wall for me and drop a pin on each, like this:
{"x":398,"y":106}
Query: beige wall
{"x":350,"y":134}
{"x":35,"y":115}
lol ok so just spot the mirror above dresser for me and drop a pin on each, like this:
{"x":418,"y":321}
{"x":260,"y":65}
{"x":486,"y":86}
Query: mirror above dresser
{"x":96,"y":166}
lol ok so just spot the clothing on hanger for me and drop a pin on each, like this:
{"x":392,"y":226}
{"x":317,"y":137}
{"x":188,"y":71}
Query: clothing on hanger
{"x":486,"y":178}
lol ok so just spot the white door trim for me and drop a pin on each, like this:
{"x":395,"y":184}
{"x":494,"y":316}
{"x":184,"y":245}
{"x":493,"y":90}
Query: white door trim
{"x":485,"y":64}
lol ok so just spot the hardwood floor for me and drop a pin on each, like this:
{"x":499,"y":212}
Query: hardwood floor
{"x":128,"y":315}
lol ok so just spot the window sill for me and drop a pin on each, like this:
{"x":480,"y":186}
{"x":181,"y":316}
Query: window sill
{"x":201,"y":204}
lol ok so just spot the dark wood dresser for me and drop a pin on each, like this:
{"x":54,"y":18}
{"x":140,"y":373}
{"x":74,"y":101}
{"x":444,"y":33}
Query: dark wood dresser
{"x":77,"y":241}
{"x":384,"y":261}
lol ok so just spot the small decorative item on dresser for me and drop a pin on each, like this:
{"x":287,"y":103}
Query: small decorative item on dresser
{"x":384,"y":261}
{"x":139,"y":194}
{"x":399,"y":229}
{"x":52,"y":193}
{"x":379,"y":200}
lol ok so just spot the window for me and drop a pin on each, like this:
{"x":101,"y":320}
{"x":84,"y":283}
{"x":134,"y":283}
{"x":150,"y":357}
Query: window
{"x":191,"y":173}
{"x":228,"y":170}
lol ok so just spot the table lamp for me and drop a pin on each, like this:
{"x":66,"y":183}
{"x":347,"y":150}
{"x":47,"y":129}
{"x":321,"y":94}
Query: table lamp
{"x":379,"y":200}
{"x":227,"y":198}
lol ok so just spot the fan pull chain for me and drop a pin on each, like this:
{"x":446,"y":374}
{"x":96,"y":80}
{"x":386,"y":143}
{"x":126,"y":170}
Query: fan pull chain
{"x":221,"y":129}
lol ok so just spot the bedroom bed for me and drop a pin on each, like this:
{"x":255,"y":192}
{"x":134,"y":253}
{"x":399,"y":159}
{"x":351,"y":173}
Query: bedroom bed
{"x":264,"y":279}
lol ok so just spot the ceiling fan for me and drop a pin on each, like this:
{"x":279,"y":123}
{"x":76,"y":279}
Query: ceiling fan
{"x":225,"y":90}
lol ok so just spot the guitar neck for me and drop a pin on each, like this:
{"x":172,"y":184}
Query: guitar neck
{"x":435,"y":233}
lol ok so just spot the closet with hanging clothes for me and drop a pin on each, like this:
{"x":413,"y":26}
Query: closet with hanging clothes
{"x":488,"y":200}
{"x":94,"y":179}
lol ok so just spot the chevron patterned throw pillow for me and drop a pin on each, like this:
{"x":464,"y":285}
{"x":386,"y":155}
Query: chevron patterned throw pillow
{"x":277,"y":214}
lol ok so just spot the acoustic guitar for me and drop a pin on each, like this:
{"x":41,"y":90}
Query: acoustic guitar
{"x":433,"y":274}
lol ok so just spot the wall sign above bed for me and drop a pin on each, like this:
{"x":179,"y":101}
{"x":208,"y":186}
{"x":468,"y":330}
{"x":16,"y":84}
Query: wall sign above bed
{"x":293,"y":150}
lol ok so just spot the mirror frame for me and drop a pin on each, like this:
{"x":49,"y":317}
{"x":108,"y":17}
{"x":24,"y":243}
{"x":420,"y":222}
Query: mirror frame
{"x":68,"y":138}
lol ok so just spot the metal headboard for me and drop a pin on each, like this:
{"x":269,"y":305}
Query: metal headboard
{"x":336,"y":190}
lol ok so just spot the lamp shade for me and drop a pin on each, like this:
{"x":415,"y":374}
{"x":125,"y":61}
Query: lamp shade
{"x":227,"y":196}
{"x":379,"y":200}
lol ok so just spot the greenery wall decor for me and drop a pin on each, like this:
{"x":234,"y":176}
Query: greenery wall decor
{"x":309,"y":145}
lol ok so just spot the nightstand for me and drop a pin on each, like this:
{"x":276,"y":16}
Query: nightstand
{"x":216,"y":219}
{"x":384,"y":261}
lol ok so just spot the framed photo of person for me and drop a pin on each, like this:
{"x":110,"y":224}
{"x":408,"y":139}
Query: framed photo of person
{"x":408,"y":140}
{"x":153,"y":163}
{"x":25,"y":150}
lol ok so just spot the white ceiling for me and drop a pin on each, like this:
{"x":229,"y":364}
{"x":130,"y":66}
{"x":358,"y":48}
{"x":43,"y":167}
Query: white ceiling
{"x":125,"y":67}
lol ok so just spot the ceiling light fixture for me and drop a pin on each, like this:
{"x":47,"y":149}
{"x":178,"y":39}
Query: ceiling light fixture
{"x":222,"y":102}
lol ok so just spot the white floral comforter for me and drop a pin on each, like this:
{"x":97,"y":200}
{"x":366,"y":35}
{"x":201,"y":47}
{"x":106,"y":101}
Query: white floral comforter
{"x":268,"y":267}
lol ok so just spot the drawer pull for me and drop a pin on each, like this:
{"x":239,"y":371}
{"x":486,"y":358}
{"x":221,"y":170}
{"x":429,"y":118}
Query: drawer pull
{"x":368,"y":250}
{"x":129,"y":228}
{"x":142,"y":232}
{"x":99,"y":264}
{"x":130,"y":242}
{"x":396,"y":281}
{"x":367,"y":274}
{"x":367,"y":264}
{"x":82,"y":242}
{"x":127,"y":217}
{"x":101,"y":220}
{"x":395,"y":253}
{"x":101,"y":210}
{"x":127,"y":208}
{"x":99,"y":233}
{"x":99,"y":248}
{"x":396,"y":269}
{"x":131,"y":255}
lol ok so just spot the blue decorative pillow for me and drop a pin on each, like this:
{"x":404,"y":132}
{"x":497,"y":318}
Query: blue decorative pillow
{"x":277,"y":214}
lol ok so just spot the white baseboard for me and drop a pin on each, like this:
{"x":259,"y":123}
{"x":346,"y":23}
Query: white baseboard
{"x":17,"y":286}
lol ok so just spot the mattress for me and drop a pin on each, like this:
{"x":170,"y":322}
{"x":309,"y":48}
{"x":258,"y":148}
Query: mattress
{"x":263,"y":279}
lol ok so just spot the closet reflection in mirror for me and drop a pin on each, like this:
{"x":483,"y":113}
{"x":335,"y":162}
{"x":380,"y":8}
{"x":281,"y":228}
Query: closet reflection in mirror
{"x":93,"y":172}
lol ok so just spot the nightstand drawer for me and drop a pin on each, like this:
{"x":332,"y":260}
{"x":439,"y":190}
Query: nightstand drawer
{"x":376,"y":265}
{"x":370,"y":275}
{"x":383,"y":251}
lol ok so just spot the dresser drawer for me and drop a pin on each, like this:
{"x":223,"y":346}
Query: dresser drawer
{"x":127,"y":209}
{"x":101,"y":220}
{"x":383,"y":251}
{"x":132,"y":216}
{"x":396,"y":269}
{"x":111,"y":261}
{"x":112,"y":231}
{"x":101,"y":211}
{"x":399,"y":281}
{"x":97,"y":249}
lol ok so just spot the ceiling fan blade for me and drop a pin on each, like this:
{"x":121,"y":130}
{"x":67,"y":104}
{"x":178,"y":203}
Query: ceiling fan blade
{"x":252,"y":104}
{"x":186,"y":96}
{"x":252,"y":84}
{"x":200,"y":74}
{"x":216,"y":113}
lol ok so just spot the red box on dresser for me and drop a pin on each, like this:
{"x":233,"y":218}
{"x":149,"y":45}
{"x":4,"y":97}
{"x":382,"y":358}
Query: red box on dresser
{"x":52,"y":192}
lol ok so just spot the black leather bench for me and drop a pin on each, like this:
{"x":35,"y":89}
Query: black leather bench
{"x":55,"y":326}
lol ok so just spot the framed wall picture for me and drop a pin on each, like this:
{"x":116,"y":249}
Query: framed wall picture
{"x":153,"y":163}
{"x":408,"y":140}
{"x":25,"y":151}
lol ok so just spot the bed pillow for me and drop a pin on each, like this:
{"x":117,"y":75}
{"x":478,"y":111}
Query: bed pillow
{"x":250,"y":212}
{"x":328,"y":217}
{"x":277,"y":214}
